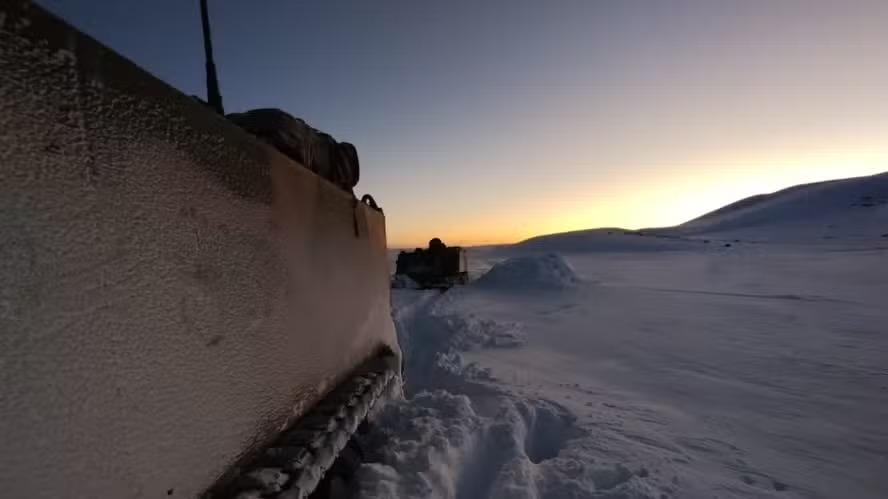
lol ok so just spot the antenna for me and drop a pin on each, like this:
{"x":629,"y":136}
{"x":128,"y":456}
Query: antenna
{"x":214,"y":98}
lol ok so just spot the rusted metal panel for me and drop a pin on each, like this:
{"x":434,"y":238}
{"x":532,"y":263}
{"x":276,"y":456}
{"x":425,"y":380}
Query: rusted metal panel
{"x":173,"y":291}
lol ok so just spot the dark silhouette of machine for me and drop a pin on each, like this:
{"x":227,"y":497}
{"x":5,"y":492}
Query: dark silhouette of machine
{"x":438,"y":266}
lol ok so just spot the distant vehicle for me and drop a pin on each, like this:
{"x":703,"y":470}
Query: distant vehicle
{"x":440,"y":266}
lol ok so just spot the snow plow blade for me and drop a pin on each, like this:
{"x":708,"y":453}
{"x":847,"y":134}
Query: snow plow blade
{"x":177,"y":297}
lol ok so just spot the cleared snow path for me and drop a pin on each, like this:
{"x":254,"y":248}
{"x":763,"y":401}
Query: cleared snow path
{"x":463,"y":434}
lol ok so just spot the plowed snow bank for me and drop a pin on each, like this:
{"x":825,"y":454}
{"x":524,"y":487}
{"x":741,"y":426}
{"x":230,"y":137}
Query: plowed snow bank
{"x":546,"y":271}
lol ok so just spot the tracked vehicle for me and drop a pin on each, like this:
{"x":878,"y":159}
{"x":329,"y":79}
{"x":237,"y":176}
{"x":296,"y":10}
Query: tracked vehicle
{"x":186,"y":310}
{"x":438,"y":266}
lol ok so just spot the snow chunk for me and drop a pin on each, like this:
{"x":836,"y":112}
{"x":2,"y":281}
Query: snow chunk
{"x":545,"y":271}
{"x":439,"y":445}
{"x":422,"y":446}
{"x":403,"y":281}
{"x":470,"y":333}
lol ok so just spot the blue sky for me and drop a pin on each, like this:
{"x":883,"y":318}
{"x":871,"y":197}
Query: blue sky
{"x":498,"y":120}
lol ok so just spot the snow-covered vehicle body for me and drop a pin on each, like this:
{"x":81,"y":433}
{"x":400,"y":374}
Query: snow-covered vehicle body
{"x":175,"y":293}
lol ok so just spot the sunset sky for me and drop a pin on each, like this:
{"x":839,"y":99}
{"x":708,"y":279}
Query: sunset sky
{"x":493,"y":121}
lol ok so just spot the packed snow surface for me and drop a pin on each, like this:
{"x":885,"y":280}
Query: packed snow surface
{"x":678,"y":363}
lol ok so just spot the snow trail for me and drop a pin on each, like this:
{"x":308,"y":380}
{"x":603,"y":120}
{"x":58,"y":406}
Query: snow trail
{"x":460,"y":433}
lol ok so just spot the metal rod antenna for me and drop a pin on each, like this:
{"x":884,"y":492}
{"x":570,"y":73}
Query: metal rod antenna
{"x":214,"y":98}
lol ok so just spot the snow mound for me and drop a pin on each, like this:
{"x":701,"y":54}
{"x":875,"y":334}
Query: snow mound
{"x":545,"y":271}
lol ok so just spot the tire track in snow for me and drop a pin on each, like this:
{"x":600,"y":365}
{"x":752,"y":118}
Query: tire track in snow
{"x":490,"y":444}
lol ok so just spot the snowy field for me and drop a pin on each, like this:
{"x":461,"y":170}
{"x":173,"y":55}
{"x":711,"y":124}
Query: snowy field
{"x":744,"y":354}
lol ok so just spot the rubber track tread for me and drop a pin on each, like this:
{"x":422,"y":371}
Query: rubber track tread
{"x":293,"y":466}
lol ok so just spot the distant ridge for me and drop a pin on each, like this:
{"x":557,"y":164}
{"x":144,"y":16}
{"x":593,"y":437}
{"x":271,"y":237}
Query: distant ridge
{"x":757,"y":198}
{"x":844,"y":209}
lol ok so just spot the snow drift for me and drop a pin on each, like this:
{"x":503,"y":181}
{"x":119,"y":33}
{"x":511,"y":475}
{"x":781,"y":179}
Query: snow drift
{"x":544,"y":271}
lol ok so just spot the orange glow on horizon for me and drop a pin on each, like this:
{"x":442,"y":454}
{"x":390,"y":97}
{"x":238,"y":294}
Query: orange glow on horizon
{"x":674,"y":197}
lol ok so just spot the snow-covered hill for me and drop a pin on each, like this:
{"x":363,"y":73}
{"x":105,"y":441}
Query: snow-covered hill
{"x":740,"y":355}
{"x":854,"y":208}
{"x":603,"y":240}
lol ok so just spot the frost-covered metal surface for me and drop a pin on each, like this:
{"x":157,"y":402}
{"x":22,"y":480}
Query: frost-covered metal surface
{"x":173,"y":292}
